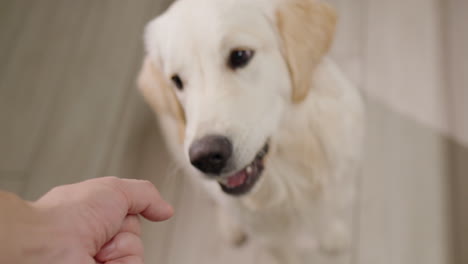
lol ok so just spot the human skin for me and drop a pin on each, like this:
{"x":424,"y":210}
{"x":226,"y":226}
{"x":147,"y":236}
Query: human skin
{"x":95,"y":221}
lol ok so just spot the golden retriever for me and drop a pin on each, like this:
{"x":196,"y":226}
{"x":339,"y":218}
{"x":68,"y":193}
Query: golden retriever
{"x":251,"y":107}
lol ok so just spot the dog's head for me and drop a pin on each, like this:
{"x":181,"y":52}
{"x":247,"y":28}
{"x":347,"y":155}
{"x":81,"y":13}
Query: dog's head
{"x":226,"y":71}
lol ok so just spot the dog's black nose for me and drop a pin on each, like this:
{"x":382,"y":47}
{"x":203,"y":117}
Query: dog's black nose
{"x":210,"y":154}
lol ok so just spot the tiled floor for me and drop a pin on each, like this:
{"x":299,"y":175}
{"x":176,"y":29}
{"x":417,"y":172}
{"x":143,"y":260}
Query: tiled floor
{"x":69,"y":111}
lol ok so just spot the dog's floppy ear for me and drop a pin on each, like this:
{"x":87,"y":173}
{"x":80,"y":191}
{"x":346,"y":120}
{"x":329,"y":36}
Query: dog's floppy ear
{"x":159,"y":94}
{"x":306,"y":28}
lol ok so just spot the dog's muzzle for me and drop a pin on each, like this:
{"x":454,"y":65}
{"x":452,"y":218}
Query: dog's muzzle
{"x":244,"y":180}
{"x":211,"y":155}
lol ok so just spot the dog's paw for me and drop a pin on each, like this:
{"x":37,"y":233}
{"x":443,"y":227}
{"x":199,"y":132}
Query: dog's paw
{"x":336,"y":240}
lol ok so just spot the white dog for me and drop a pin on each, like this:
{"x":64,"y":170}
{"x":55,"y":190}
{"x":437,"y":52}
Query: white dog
{"x":251,"y":107}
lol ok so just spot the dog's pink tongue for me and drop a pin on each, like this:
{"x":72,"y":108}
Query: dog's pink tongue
{"x":237,"y":179}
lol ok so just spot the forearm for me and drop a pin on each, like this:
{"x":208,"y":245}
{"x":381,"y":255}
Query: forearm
{"x":23,"y":232}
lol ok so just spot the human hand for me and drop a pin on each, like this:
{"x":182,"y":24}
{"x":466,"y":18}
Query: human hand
{"x":96,"y":221}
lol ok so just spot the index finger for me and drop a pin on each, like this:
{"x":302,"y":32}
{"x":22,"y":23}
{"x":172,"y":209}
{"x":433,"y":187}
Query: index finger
{"x":143,"y":198}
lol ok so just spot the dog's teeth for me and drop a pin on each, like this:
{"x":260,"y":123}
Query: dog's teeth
{"x":222,"y":181}
{"x":249,"y":169}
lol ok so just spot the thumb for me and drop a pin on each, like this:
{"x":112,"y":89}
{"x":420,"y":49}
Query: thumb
{"x":143,"y":198}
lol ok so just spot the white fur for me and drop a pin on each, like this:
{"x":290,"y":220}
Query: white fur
{"x":301,"y":206}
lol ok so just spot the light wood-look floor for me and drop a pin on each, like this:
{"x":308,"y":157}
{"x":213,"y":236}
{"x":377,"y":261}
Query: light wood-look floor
{"x":69,"y":112}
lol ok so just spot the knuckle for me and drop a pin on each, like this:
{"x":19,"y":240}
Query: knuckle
{"x":150,"y":186}
{"x":113,"y":182}
{"x":147,"y":183}
{"x":129,"y":242}
{"x":116,"y":185}
{"x":110,"y":179}
{"x":122,"y":241}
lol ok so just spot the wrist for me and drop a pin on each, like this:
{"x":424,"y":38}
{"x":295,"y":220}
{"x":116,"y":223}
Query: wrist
{"x":25,"y":232}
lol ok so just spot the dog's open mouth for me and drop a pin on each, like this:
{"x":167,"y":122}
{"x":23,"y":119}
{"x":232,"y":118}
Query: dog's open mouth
{"x":243,"y":181}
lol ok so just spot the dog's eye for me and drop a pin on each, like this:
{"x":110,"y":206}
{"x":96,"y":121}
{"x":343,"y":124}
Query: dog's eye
{"x":177,"y":82}
{"x":239,"y":58}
